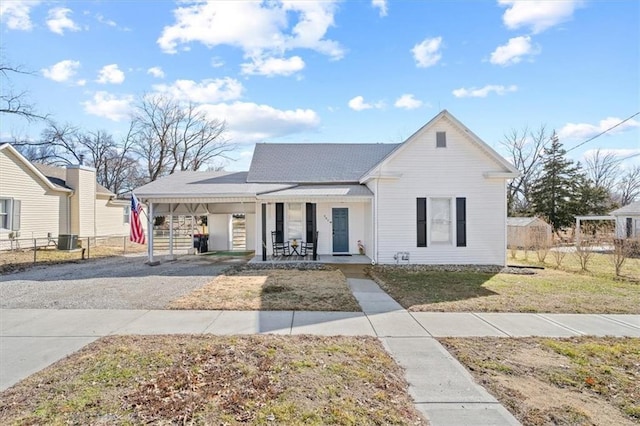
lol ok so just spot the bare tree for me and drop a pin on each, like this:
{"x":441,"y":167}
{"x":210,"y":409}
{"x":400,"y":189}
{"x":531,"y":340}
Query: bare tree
{"x":629,"y":186}
{"x":15,"y":102}
{"x":171,"y":136}
{"x":602,"y":169}
{"x":525,"y":148}
{"x":116,"y":164}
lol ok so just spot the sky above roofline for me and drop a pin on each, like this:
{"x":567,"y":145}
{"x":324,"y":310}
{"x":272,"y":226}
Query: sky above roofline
{"x":336,"y":71}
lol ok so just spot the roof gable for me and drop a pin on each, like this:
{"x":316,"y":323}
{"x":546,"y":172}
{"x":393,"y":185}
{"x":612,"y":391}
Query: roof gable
{"x":508,"y":170}
{"x":632,"y":209}
{"x":27,"y":164}
{"x":314,"y":162}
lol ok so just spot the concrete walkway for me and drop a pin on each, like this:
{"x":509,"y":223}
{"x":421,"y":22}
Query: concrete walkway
{"x":32,"y":339}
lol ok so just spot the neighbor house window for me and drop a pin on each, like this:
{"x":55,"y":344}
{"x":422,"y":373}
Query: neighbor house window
{"x":10,"y":214}
{"x":126,"y":211}
{"x":5,"y":209}
{"x":441,"y":222}
{"x":441,"y":139}
{"x":294,"y":221}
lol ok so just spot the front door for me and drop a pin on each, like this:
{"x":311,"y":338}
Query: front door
{"x":340,"y":221}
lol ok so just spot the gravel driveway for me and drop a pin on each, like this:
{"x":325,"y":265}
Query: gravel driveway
{"x":112,"y":283}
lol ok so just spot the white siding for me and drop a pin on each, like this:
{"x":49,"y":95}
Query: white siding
{"x":110,"y":218}
{"x":41,"y":209}
{"x":454,"y":171}
{"x":83,"y":202}
{"x":359,"y":217}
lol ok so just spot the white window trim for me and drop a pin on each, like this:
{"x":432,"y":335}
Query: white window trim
{"x":287,"y":221}
{"x":430,"y":215}
{"x":8,"y":214}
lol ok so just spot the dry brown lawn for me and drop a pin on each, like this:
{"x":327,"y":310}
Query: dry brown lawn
{"x":547,"y":290}
{"x":273,"y":290}
{"x":575,"y":381}
{"x":217,"y":380}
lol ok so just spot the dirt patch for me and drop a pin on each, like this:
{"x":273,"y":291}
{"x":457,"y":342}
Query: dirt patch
{"x":273,"y":290}
{"x":584,"y":380}
{"x":216,"y":380}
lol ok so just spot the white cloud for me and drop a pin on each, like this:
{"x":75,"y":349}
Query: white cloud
{"x":62,"y":71}
{"x":218,"y":23}
{"x":273,"y":66}
{"x":358,"y":104}
{"x":538,"y":15}
{"x":585,"y":130}
{"x":513,"y":52}
{"x":380,"y":4}
{"x":156,"y":72}
{"x":105,"y":21}
{"x":109,"y":106}
{"x":249,"y":122}
{"x":483,"y":92}
{"x":407,"y":101}
{"x":58,"y":21}
{"x":209,"y":90}
{"x":16,"y":14}
{"x":110,"y":74}
{"x":427,"y":53}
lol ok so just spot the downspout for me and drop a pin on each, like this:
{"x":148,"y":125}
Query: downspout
{"x":375,"y":230}
{"x":68,"y":224}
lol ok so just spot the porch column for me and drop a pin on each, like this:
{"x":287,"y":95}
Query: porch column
{"x":150,"y":232}
{"x":171,"y":231}
{"x":264,"y":231}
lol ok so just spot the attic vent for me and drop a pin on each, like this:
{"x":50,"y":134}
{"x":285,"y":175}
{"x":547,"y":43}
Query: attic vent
{"x":441,"y":139}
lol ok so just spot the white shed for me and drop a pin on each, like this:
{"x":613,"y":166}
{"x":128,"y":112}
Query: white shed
{"x":528,"y":232}
{"x":628,"y":220}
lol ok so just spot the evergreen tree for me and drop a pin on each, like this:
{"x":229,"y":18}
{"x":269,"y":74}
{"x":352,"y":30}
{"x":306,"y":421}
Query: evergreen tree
{"x":555,"y":192}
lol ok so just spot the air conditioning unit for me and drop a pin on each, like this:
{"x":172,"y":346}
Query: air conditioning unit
{"x":67,"y":242}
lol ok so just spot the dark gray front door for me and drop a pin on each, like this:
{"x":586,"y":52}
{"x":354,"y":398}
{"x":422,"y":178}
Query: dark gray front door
{"x":340,"y":220}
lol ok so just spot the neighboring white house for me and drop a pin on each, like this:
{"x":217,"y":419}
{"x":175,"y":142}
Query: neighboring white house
{"x":437,"y":198}
{"x":38,"y":201}
{"x":628,"y":220}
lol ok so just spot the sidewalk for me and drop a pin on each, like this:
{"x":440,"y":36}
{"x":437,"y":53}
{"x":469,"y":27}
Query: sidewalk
{"x":31,"y":339}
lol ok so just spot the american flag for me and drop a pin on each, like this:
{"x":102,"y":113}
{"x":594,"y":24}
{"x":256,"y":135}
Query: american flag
{"x":136,"y":233}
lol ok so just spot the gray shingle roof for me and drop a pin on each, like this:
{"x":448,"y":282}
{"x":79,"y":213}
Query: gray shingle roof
{"x":204,"y":184}
{"x":314,"y":162}
{"x":58,"y":176}
{"x":632,"y":209}
{"x":523,"y":221}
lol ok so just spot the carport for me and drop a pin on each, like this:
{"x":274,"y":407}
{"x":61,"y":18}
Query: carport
{"x":217,"y":195}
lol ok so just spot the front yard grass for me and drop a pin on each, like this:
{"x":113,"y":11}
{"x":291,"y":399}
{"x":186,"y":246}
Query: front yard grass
{"x":273,"y":290}
{"x":548,"y":290}
{"x":216,"y":380}
{"x":581,"y":380}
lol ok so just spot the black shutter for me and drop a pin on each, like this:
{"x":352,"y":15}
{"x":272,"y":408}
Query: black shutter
{"x":461,"y":222}
{"x":311,"y":221}
{"x":421,"y":215}
{"x":279,"y":222}
{"x":264,"y":232}
{"x":629,"y":227}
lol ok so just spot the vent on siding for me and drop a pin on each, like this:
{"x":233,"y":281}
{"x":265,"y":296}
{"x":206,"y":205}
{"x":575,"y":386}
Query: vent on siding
{"x":441,"y":139}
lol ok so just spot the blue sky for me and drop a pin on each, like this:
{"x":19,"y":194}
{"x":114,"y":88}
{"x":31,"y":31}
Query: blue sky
{"x":336,"y":71}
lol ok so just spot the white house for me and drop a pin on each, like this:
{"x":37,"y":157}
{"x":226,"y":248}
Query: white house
{"x":437,"y":198}
{"x":40,"y":201}
{"x":627,"y":220}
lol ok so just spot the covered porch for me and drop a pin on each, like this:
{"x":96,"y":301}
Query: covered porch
{"x":332,"y":221}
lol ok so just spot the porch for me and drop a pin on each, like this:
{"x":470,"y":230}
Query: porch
{"x":356,"y":259}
